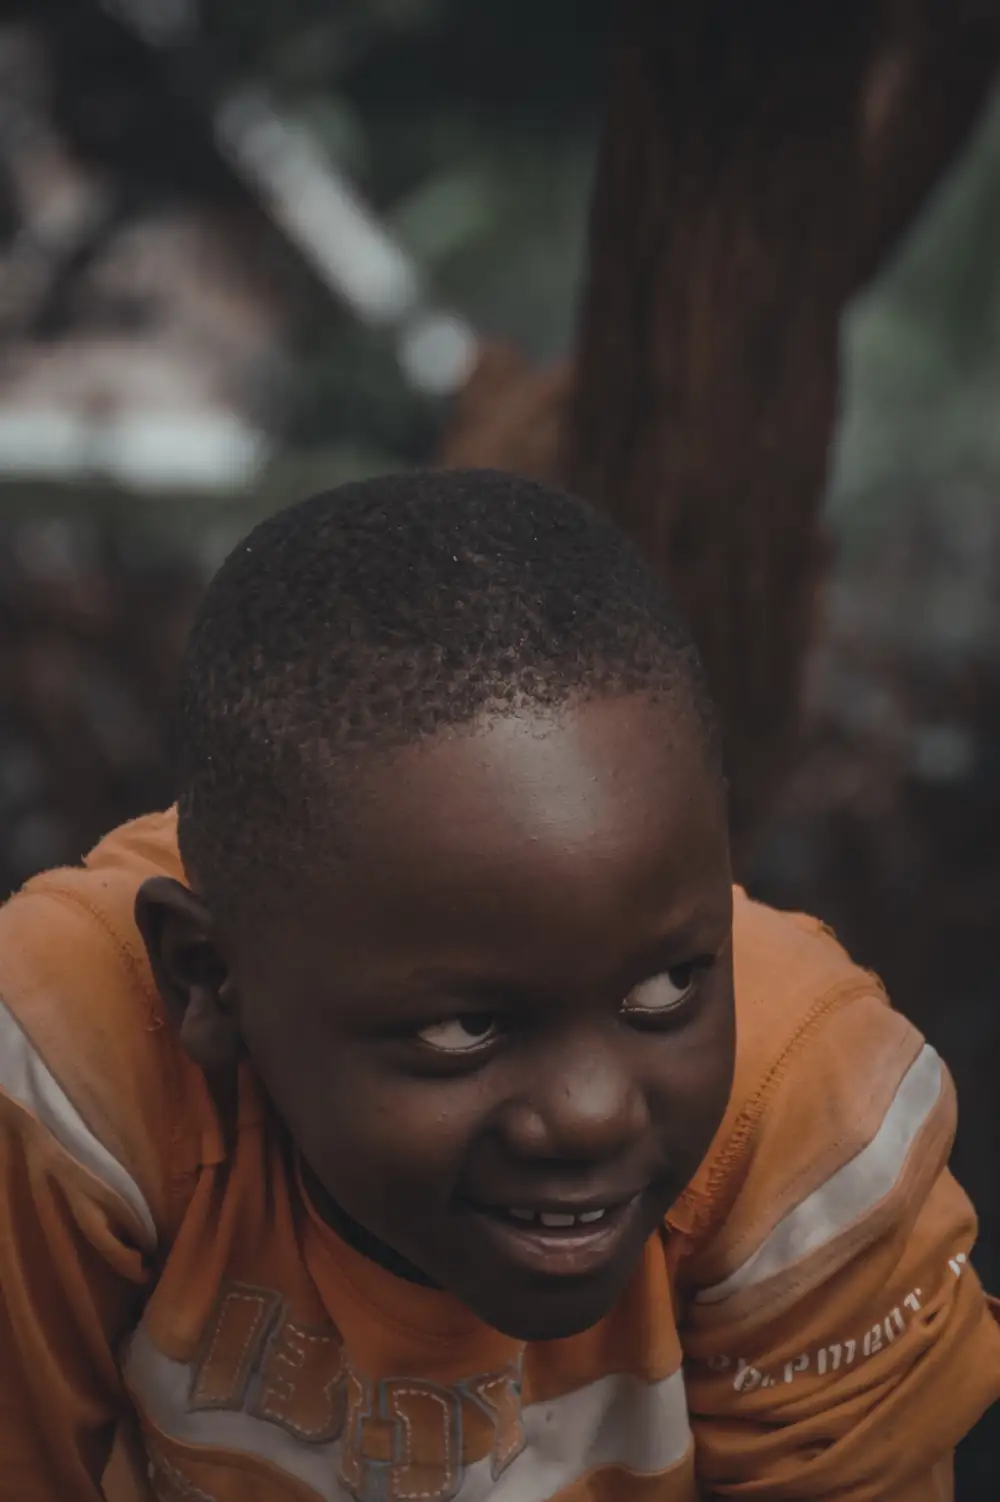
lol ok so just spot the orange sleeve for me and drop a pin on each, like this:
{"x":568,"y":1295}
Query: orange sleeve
{"x":72,"y":1272}
{"x":838,"y":1343}
{"x":103,"y":1123}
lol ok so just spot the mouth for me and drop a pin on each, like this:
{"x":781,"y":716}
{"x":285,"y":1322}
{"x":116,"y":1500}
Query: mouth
{"x":559,"y":1241}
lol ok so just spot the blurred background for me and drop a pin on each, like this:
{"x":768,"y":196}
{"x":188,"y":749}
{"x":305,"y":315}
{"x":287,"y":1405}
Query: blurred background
{"x":249,"y":248}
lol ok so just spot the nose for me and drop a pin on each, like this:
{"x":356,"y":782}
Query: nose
{"x":581,"y":1103}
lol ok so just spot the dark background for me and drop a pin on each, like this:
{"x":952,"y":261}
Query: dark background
{"x":170,"y":298}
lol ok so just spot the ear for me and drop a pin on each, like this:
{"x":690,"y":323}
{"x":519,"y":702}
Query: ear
{"x":190,"y":972}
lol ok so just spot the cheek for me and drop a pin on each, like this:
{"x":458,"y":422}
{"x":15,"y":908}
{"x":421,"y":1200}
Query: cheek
{"x":696,"y":1083}
{"x":394,"y":1163}
{"x":367,"y":1133}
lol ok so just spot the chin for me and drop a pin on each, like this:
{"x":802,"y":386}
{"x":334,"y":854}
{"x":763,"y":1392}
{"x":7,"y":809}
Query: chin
{"x":546,"y":1312}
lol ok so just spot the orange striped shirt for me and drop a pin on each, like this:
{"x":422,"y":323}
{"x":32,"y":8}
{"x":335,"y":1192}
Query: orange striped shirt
{"x":807,"y":1325}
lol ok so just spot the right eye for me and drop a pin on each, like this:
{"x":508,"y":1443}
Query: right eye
{"x":661,"y":995}
{"x":464,"y":1034}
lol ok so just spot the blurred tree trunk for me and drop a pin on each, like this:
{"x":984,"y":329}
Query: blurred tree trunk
{"x":757,"y":160}
{"x":933,"y":65}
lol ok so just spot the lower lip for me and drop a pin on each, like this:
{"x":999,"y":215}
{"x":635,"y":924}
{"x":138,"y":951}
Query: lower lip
{"x":577,"y":1252}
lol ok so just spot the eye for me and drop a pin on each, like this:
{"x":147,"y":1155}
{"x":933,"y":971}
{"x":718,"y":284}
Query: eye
{"x":661,"y":994}
{"x":464,"y":1034}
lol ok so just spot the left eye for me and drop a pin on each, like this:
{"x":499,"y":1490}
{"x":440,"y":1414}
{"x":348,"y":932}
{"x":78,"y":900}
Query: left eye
{"x":461,"y":1034}
{"x":661,"y":994}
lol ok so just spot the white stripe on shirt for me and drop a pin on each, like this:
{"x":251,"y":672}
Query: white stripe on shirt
{"x":618,"y":1420}
{"x":852,"y":1191}
{"x":26,"y":1078}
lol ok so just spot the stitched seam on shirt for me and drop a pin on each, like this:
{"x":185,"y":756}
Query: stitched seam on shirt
{"x":846,"y":1140}
{"x":179,"y":1173}
{"x":266,"y":1304}
{"x":120,"y":945}
{"x":176,"y":1175}
{"x":710,"y":1212}
{"x":786,"y":1287}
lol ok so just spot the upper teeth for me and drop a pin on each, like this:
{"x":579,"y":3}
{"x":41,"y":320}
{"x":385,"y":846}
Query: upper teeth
{"x":558,"y":1221}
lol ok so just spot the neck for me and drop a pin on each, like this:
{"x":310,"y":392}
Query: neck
{"x":356,"y":1235}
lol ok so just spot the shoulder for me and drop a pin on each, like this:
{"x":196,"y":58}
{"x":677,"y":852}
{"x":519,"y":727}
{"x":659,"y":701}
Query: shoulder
{"x":88,"y":1061}
{"x":832,"y":1089}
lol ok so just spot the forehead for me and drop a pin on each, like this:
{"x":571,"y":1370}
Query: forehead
{"x":536,"y":833}
{"x":586,"y":783}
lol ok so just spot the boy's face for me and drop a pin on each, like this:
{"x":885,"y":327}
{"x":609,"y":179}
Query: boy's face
{"x":507,"y":1042}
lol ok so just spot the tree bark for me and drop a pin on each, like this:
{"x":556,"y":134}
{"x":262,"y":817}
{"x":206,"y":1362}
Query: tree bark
{"x":934,"y":63}
{"x":721,"y":255}
{"x":758,"y":160}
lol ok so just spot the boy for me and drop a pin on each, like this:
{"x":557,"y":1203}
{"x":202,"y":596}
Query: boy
{"x":397,"y":1136}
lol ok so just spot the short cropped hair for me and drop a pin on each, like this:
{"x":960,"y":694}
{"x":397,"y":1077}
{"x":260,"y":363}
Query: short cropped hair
{"x":373,"y":616}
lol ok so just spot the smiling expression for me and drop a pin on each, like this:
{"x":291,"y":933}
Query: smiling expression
{"x":502,"y":1034}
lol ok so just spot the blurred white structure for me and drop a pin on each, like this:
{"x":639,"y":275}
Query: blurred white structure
{"x":169,"y":340}
{"x":162,"y":23}
{"x":319,"y":211}
{"x":154,"y":382}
